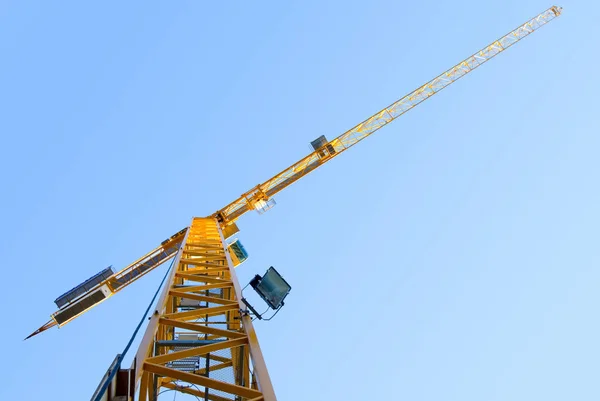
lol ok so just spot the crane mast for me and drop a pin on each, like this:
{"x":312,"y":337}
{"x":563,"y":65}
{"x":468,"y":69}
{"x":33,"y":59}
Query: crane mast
{"x":200,"y":339}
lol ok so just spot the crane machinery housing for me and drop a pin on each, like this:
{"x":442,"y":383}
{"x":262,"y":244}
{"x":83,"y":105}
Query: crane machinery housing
{"x":200,"y":340}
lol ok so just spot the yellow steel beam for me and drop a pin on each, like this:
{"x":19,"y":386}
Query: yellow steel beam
{"x":202,"y":298}
{"x":193,"y":391}
{"x":197,"y":288}
{"x":206,"y":252}
{"x":144,"y":386}
{"x":219,"y":366}
{"x":260,"y":366}
{"x":147,"y":343}
{"x":235,"y":346}
{"x":198,"y":262}
{"x":218,"y":358}
{"x":383,"y":117}
{"x":202,"y":381}
{"x":215,"y":310}
{"x":200,"y":277}
{"x":202,"y":329}
{"x":210,"y":268}
{"x":196,"y":351}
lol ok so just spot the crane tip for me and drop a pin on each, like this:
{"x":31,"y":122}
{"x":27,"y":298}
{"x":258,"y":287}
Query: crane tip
{"x":31,"y":335}
{"x":557,"y":10}
{"x":45,"y":327}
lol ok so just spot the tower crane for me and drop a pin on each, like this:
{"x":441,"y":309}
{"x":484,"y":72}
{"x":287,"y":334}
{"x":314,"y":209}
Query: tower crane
{"x":201,"y":324}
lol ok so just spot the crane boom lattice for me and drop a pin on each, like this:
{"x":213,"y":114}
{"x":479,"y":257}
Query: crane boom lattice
{"x":351,"y":137}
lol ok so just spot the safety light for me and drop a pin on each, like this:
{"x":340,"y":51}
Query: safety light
{"x":271,"y":287}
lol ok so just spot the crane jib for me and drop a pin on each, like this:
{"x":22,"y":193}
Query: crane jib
{"x":388,"y":114}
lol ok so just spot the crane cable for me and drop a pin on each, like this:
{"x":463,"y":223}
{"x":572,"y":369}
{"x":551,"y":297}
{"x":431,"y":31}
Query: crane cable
{"x":104,"y":387}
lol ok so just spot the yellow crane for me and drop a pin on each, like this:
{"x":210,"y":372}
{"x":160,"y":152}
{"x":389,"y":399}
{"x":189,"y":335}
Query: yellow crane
{"x":200,"y":339}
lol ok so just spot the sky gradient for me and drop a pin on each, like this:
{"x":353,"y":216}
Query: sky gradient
{"x":451,"y":256}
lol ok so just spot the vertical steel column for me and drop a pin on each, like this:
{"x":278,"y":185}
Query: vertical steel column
{"x":260,"y":367}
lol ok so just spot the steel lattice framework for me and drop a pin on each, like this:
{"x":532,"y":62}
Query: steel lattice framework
{"x":201,"y":340}
{"x":198,"y":342}
{"x":351,"y":137}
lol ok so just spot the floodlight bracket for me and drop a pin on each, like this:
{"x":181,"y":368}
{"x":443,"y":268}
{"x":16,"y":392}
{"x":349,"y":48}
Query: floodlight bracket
{"x":258,"y":315}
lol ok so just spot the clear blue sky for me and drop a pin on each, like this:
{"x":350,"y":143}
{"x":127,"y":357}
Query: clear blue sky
{"x":452,"y":256}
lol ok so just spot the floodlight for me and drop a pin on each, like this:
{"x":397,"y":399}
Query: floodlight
{"x":271,"y":287}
